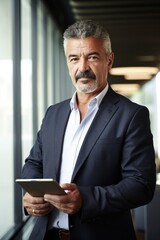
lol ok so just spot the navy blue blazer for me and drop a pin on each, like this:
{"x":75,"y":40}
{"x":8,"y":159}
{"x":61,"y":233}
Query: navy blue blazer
{"x":115,"y":168}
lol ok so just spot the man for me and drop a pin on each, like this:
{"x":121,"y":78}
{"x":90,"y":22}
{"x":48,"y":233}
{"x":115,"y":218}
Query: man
{"x":98,"y":146}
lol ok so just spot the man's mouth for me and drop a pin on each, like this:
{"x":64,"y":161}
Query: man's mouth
{"x":85,"y":81}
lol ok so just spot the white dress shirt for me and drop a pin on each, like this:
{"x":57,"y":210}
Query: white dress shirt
{"x":75,"y":133}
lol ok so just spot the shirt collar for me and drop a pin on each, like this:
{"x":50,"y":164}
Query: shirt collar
{"x":96,"y":100}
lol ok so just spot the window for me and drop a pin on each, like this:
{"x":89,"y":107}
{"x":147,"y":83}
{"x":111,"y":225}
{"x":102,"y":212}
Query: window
{"x":50,"y":63}
{"x":6,"y":119}
{"x":146,"y":97}
{"x":40,"y":65}
{"x":26,"y":79}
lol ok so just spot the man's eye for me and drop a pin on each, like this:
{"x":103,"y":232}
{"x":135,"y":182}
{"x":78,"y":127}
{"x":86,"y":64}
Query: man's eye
{"x":73,"y":59}
{"x":93,"y":57}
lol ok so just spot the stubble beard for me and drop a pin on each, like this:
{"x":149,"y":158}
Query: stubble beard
{"x":83,"y":88}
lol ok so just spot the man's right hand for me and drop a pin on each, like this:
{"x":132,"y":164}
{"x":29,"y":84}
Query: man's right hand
{"x":36,"y":206}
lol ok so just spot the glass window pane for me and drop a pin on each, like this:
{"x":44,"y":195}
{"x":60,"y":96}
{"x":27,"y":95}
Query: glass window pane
{"x":40,"y":65}
{"x":50,"y":63}
{"x":6,"y":119}
{"x":26,"y":79}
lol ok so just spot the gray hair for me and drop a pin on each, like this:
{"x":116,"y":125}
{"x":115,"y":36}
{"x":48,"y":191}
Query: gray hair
{"x":87,"y":28}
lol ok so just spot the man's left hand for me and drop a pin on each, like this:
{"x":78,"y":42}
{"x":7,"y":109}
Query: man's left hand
{"x":69,"y":203}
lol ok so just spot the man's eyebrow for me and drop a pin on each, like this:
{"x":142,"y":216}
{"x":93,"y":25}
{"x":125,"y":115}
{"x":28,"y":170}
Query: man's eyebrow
{"x":72,"y":55}
{"x":93,"y":53}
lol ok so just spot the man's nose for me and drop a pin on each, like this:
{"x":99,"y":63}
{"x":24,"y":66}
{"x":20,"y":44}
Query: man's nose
{"x":83,"y":65}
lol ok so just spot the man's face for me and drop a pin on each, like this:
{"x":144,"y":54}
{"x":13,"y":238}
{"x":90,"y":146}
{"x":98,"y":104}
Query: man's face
{"x":88,"y":64}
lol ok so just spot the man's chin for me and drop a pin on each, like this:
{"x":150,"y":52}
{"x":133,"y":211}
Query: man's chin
{"x":86,"y":89}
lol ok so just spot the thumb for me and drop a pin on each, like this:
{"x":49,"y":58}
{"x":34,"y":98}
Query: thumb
{"x":69,"y":186}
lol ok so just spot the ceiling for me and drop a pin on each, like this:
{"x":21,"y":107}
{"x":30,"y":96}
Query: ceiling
{"x":133,"y":25}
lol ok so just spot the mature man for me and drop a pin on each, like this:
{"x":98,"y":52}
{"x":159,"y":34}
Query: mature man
{"x":97,"y":145}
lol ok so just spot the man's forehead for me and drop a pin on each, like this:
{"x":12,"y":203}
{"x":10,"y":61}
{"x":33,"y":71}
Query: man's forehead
{"x":84,"y":44}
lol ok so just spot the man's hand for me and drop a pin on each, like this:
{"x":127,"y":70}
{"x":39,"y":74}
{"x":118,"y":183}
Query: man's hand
{"x":36,"y":205}
{"x":69,"y":203}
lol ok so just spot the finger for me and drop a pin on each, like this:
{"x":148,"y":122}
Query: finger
{"x":37,"y":206}
{"x":33,"y":200}
{"x":39,"y":212}
{"x":69,"y":186}
{"x":54,"y":199}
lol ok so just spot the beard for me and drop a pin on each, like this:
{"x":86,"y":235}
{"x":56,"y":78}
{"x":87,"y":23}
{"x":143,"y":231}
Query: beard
{"x":88,"y":85}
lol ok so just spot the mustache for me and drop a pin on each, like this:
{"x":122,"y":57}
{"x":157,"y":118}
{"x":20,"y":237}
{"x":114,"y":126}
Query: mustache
{"x":86,"y":74}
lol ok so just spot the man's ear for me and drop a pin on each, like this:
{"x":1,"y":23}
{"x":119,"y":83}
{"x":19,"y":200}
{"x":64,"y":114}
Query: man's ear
{"x":110,"y":60}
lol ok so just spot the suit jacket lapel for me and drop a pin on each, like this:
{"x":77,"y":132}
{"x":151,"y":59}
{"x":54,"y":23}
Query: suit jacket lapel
{"x":107,"y":109}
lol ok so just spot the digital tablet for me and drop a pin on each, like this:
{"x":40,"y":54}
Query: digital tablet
{"x":39,"y":187}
